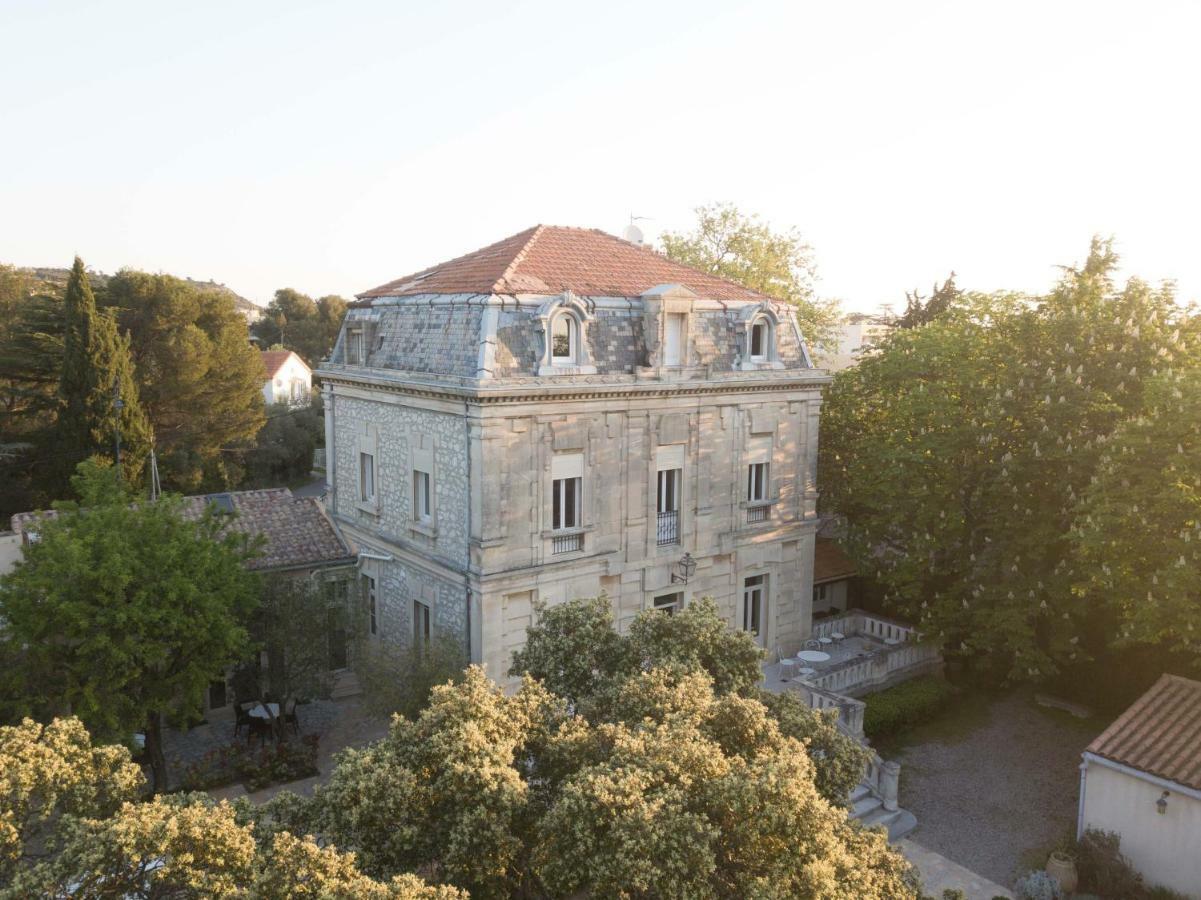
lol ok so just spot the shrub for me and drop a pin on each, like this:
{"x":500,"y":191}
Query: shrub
{"x":904,"y":705}
{"x":1038,"y":886}
{"x":271,"y":764}
{"x":1103,"y":868}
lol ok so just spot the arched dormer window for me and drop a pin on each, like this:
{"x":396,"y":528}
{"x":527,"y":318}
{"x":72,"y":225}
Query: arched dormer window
{"x":564,"y":349}
{"x":564,"y":340}
{"x":762,"y":340}
{"x":758,"y":328}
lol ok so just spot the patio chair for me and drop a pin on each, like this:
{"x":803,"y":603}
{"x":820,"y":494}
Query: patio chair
{"x":813,"y":645}
{"x":242,"y":717}
{"x":260,"y":728}
{"x":289,"y":715}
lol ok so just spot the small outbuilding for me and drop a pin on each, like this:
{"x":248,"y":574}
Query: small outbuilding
{"x":1142,"y":779}
{"x":289,"y":380}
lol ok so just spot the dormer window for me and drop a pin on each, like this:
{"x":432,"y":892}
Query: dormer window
{"x":760,"y":340}
{"x":564,"y":340}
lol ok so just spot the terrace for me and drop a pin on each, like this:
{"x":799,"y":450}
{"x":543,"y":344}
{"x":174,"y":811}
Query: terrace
{"x":847,"y":656}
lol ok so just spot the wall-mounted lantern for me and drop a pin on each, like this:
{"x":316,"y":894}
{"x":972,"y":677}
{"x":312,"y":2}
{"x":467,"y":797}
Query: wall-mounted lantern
{"x":686,"y":566}
{"x":1161,"y":805}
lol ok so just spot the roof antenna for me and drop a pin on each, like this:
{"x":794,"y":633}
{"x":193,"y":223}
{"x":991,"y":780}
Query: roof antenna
{"x":632,"y":232}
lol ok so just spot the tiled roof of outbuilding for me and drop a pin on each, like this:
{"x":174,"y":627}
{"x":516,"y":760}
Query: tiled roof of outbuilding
{"x":297,"y":533}
{"x":273,"y":360}
{"x":551,"y":259}
{"x":830,"y":563}
{"x":1160,"y":733}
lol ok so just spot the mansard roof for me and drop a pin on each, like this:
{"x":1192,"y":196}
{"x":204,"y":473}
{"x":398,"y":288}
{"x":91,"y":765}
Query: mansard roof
{"x":551,"y":259}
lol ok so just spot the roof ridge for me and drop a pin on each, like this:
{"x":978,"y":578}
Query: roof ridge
{"x":518,"y":257}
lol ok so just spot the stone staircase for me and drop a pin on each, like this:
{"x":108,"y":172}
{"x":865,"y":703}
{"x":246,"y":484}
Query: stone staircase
{"x":868,"y":809}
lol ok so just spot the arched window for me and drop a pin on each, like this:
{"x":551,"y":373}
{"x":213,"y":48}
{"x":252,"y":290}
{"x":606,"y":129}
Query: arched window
{"x":761,"y":338}
{"x":564,"y":340}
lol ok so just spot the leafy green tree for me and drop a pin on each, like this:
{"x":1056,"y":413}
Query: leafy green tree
{"x":685,"y":794}
{"x":96,"y":370}
{"x":296,"y":322}
{"x":401,"y":678}
{"x":741,"y":248}
{"x":957,"y":456}
{"x":199,"y":378}
{"x":1138,"y":526}
{"x":283,"y":449}
{"x":125,"y":612}
{"x":48,"y":771}
{"x":574,"y":650}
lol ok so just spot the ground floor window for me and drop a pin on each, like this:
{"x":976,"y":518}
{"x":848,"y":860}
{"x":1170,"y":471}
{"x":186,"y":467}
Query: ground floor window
{"x":754,"y":605}
{"x":368,"y":587}
{"x":669,"y":603}
{"x":218,"y":694}
{"x":421,"y":624}
{"x":339,"y":639}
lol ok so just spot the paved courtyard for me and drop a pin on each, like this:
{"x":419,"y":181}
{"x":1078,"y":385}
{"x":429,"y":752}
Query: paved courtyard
{"x":995,"y":784}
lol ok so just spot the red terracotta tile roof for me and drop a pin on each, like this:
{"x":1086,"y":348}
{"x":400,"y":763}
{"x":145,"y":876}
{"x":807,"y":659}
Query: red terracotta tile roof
{"x":1160,"y":733}
{"x":273,"y":360}
{"x":297,"y":533}
{"x":830,"y":563}
{"x":550,"y":259}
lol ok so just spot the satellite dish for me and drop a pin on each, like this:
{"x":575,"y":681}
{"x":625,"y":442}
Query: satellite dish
{"x":633,"y":234}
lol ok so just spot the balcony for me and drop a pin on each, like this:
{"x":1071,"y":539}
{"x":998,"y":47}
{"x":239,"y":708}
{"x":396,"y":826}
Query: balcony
{"x":566,"y":543}
{"x":668,"y":528}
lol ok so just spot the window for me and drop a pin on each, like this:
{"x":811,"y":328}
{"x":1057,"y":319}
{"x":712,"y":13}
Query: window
{"x":756,"y":482}
{"x":421,"y":496}
{"x":421,"y":624}
{"x":564,"y":336}
{"x":565,"y":503}
{"x":368,"y":585}
{"x":673,"y":340}
{"x":760,"y":340}
{"x":668,"y":506}
{"x":754,"y":597}
{"x":356,"y":347}
{"x":366,"y":477}
{"x":339,"y":640}
{"x":669,"y":603}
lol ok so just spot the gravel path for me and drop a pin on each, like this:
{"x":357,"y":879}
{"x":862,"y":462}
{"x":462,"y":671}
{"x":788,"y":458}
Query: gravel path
{"x":992,"y":784}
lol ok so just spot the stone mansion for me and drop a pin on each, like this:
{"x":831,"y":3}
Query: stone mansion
{"x":564,"y":414}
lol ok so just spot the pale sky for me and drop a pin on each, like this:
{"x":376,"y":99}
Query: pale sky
{"x":332,"y":146}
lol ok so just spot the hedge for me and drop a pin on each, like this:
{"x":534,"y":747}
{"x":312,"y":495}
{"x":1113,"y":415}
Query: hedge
{"x":906,"y":704}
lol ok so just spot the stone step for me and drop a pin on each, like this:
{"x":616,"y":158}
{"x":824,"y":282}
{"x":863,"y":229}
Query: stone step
{"x":899,"y":822}
{"x":861,"y":791}
{"x":865,"y":806}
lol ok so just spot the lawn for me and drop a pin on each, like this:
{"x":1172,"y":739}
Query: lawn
{"x":993,"y":780}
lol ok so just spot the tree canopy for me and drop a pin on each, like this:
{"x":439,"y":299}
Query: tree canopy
{"x":98,"y":397}
{"x":124,"y":612}
{"x":683,"y":794}
{"x":744,"y":249}
{"x":199,"y":377}
{"x":958,"y":455}
{"x":298,"y":322}
{"x":79,"y":805}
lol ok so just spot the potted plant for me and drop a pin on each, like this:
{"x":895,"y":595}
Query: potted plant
{"x":1061,"y":865}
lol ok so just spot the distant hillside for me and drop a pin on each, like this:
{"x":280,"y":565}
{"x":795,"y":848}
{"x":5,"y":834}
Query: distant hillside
{"x":56,"y":280}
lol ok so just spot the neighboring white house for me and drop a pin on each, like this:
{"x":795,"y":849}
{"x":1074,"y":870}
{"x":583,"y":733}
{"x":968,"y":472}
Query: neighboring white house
{"x":1142,"y":779}
{"x":857,"y":334}
{"x":289,"y":380}
{"x":565,"y":414}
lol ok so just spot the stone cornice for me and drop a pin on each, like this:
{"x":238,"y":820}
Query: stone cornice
{"x":567,"y":388}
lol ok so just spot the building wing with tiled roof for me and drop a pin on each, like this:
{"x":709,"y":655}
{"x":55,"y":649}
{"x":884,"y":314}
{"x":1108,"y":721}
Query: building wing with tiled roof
{"x":1160,"y":734}
{"x":296,"y":532}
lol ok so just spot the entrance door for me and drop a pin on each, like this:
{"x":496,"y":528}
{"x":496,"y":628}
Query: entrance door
{"x":754,"y":607}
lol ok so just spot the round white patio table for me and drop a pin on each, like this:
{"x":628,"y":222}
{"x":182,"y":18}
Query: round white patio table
{"x":811,"y":656}
{"x":260,"y":713}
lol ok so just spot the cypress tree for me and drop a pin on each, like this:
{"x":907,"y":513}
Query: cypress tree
{"x":97,"y":366}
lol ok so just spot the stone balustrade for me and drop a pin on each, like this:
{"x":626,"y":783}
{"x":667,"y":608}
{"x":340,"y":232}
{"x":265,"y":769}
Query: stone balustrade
{"x":856,"y":621}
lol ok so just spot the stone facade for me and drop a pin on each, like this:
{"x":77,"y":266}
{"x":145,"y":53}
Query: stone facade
{"x":498,"y":421}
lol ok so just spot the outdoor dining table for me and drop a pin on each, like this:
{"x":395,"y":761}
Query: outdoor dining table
{"x":259,"y":712}
{"x":813,"y":656}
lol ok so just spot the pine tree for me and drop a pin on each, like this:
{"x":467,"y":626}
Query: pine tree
{"x":97,"y":369}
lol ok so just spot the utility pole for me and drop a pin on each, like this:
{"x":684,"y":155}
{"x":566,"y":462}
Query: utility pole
{"x":118,"y":405}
